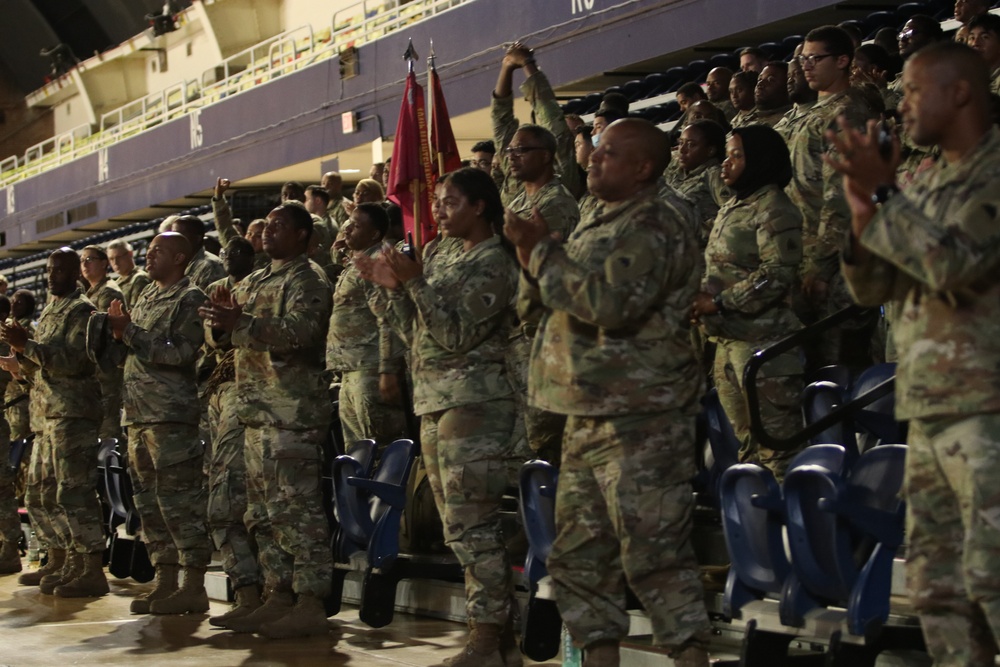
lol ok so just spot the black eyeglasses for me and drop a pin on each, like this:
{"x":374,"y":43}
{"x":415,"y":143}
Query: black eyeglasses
{"x":519,"y":151}
{"x":811,"y":60}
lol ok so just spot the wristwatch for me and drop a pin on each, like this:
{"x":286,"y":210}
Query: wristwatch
{"x":883,"y":193}
{"x":717,"y":300}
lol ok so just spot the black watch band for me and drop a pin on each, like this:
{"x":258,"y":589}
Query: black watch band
{"x":717,"y":300}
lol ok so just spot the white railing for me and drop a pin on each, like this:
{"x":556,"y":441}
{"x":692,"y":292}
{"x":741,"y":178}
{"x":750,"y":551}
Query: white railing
{"x":358,"y":24}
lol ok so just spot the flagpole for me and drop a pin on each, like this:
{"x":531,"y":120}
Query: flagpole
{"x":432,"y":71}
{"x":418,"y":234}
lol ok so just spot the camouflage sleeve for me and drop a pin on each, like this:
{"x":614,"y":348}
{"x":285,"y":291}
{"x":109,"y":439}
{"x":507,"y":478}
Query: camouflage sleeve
{"x":779,"y":245}
{"x":176,"y":347}
{"x":461,"y":322}
{"x":538,"y":91}
{"x":870,"y":281}
{"x":834,"y":220}
{"x":69,"y":356}
{"x":951,"y":254}
{"x":561,"y":214}
{"x":303,"y":324}
{"x":395,"y":308}
{"x":390,"y":347}
{"x":504,"y":126}
{"x":624,"y":288}
{"x":529,"y":300}
{"x":224,"y":221}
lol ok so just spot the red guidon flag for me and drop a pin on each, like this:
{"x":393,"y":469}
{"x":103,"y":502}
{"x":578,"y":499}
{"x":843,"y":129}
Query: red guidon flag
{"x":444,"y":150}
{"x":411,"y":174}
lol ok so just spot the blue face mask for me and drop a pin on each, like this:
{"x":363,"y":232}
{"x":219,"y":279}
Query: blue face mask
{"x":595,"y":139}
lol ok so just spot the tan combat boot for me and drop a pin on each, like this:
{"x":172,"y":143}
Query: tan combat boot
{"x":190,"y":598}
{"x":510,"y":647}
{"x":306,"y":619}
{"x":247,"y":600}
{"x":90,"y":582}
{"x":482,"y":649}
{"x":57,"y":558}
{"x":10,"y":558}
{"x":70,"y":569}
{"x":277,"y":605}
{"x":166,"y":585}
{"x":691,"y":656}
{"x":604,"y":653}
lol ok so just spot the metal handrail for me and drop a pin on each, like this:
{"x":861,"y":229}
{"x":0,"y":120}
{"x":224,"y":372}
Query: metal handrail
{"x":377,"y":18}
{"x":786,"y":344}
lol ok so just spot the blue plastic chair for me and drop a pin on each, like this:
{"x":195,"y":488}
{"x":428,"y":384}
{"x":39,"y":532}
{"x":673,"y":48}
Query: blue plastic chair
{"x":843,"y":533}
{"x":357,"y":462}
{"x":540,"y":620}
{"x":722,"y":441}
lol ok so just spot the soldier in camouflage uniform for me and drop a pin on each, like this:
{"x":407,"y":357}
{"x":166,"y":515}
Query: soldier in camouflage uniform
{"x":751,"y":271}
{"x":548,"y":114}
{"x":817,"y":190}
{"x":94,"y":266}
{"x":334,"y":185}
{"x":932,"y":252}
{"x":702,"y":146}
{"x":61,"y":497}
{"x":802,"y":97}
{"x":163,"y":334}
{"x":131,"y":279}
{"x":18,"y":414}
{"x":363,"y":347}
{"x":226,"y":465}
{"x":204,"y":268}
{"x":531,"y":161}
{"x":771,"y":94}
{"x":225,"y":461}
{"x":278,"y":318}
{"x":456,"y":316}
{"x":613,"y":353}
{"x":223,"y":216}
{"x":741,"y":92}
{"x":10,"y":523}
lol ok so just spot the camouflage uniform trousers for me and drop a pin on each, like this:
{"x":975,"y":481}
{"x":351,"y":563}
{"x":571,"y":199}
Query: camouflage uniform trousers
{"x":165,"y":465}
{"x":779,"y":387}
{"x":465,"y":450}
{"x":953,"y":557}
{"x":61,"y":492}
{"x":284,"y":514}
{"x":111,"y":404}
{"x":623,"y":513}
{"x":10,"y":523}
{"x":540,"y":430}
{"x":17,"y":415}
{"x":363,"y":412}
{"x":227,"y":489}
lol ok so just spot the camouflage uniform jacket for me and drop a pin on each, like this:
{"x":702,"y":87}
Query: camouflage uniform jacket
{"x":790,"y":122}
{"x":456,"y":318}
{"x":65,"y":384}
{"x":614,"y":339}
{"x":131,"y":286}
{"x":816,"y":189}
{"x":204,"y":269}
{"x":227,"y":232}
{"x":995,"y":81}
{"x":280,"y":340}
{"x":752,"y":260}
{"x":556,"y":205}
{"x":358,"y":340}
{"x":726,"y":107}
{"x":770,"y":117}
{"x":744,"y":118}
{"x":336,"y":211}
{"x":549,"y":115}
{"x":103,"y":293}
{"x":704,"y":187}
{"x":935,"y":253}
{"x":163,"y":340}
{"x":18,"y":388}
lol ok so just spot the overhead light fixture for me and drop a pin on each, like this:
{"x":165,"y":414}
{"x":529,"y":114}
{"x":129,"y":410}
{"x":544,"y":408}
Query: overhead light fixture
{"x":165,"y":21}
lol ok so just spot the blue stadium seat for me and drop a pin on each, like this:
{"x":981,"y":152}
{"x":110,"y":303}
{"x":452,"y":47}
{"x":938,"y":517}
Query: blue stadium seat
{"x":843,"y":533}
{"x":753,"y":515}
{"x":541,"y":622}
{"x":126,"y":557}
{"x":698,"y":70}
{"x":820,"y":399}
{"x":722,"y":441}
{"x":590,"y":103}
{"x":658,"y":83}
{"x":877,"y":419}
{"x":878,"y":20}
{"x":349,"y":501}
{"x":727,"y":60}
{"x":17,"y":449}
{"x":677,"y":77}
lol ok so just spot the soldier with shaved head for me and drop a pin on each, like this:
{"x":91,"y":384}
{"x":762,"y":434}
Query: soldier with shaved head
{"x":162,"y":334}
{"x":613,"y":353}
{"x":931,"y":252}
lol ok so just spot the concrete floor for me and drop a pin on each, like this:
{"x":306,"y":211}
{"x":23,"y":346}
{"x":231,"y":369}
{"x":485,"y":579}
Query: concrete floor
{"x":48,"y":631}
